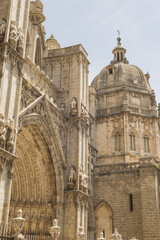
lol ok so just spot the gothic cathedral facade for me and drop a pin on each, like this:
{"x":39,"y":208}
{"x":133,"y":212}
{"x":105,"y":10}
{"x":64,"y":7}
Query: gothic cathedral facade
{"x":87,"y":156}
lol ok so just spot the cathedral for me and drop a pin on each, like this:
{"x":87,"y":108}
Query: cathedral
{"x":87,"y":156}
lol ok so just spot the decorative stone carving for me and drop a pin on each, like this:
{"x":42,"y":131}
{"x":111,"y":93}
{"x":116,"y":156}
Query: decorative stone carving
{"x":84,"y":112}
{"x":18,"y":224}
{"x":2,"y":29}
{"x":13,"y":34}
{"x":41,"y":223}
{"x":33,"y":223}
{"x":73,"y":107}
{"x":10,"y":222}
{"x":55,"y":230}
{"x":101,"y":236}
{"x":81,"y":234}
{"x":2,"y":131}
{"x":83,"y":178}
{"x":48,"y":223}
{"x":116,"y":235}
{"x":10,"y":139}
{"x":62,"y":107}
{"x":26,"y":224}
{"x":72,"y":175}
{"x":72,"y":178}
{"x":20,"y":42}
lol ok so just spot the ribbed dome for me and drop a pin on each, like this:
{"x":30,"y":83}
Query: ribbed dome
{"x":121,"y":73}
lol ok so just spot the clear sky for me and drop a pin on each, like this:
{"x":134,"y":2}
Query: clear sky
{"x":94,"y":24}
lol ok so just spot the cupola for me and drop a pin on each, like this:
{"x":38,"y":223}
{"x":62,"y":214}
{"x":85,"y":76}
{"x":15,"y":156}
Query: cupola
{"x":52,"y":43}
{"x":119,"y":53}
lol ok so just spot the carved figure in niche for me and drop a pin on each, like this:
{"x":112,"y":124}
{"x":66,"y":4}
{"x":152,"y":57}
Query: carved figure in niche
{"x":73,"y":107}
{"x":13,"y":34}
{"x":41,"y":108}
{"x":62,"y":107}
{"x":2,"y":130}
{"x":26,"y":224}
{"x":13,"y":31}
{"x":83,"y":178}
{"x":20,"y":43}
{"x":48,"y":223}
{"x":83,"y":112}
{"x":33,"y":223}
{"x":2,"y":29}
{"x":41,"y":223}
{"x":10,"y":222}
{"x":72,"y":175}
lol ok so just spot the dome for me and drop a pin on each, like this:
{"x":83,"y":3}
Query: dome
{"x":52,"y":43}
{"x":120,"y":72}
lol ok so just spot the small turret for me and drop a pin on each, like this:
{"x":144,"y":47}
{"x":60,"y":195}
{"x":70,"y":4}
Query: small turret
{"x":119,"y":52}
{"x":52,"y":43}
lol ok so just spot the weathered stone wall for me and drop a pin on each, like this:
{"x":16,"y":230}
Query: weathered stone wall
{"x":113,"y":187}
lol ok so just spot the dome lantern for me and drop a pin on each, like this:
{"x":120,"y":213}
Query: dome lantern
{"x":119,"y":53}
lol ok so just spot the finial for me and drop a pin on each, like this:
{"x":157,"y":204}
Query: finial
{"x":118,"y":39}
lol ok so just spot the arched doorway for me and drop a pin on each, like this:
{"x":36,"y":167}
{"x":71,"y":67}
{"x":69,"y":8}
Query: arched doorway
{"x":34,"y":187}
{"x":103,"y":215}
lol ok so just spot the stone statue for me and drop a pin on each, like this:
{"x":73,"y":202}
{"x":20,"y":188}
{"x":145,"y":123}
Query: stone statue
{"x":116,"y":235}
{"x":2,"y":29}
{"x":33,"y":223}
{"x":2,"y":130}
{"x":20,"y":43}
{"x":13,"y":34}
{"x":13,"y":31}
{"x":26,"y":224}
{"x":73,"y":107}
{"x":83,"y":178}
{"x":10,"y":222}
{"x":72,"y":175}
{"x":41,"y":224}
{"x":48,"y":223}
{"x":21,"y":38}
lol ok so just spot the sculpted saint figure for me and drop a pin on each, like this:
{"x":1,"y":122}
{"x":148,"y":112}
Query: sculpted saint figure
{"x":13,"y":31}
{"x":10,"y":222}
{"x":73,"y":107}
{"x":26,"y":224}
{"x":2,"y":27}
{"x":33,"y":223}
{"x":21,"y":38}
{"x":72,"y":175}
{"x":41,"y":223}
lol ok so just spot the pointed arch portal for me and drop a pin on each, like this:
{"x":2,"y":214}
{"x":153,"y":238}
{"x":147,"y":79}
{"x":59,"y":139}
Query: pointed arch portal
{"x":37,"y":185}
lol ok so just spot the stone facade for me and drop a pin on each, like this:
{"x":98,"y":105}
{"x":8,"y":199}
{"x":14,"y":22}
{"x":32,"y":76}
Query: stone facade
{"x":87,"y":156}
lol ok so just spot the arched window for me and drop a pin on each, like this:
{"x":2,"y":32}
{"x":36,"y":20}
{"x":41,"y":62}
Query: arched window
{"x":146,"y":144}
{"x":118,"y":142}
{"x":103,"y":215}
{"x":38,"y":53}
{"x":132,"y":142}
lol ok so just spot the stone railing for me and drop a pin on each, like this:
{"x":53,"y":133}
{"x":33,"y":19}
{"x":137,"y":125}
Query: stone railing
{"x":67,"y":51}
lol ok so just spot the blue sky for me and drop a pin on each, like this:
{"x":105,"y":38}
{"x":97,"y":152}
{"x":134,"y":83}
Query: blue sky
{"x":94,"y":24}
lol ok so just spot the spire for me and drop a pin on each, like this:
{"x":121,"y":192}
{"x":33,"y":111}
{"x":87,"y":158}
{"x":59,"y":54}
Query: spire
{"x":119,"y":52}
